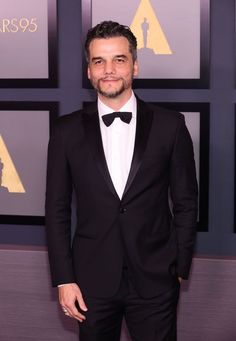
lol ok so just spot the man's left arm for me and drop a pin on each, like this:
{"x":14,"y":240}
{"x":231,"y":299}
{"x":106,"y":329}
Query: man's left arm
{"x":184,"y":195}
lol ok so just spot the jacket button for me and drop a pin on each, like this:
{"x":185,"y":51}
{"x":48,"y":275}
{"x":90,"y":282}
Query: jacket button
{"x":123,"y":210}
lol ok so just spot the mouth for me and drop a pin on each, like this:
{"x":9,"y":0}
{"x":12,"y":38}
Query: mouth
{"x":109,"y":79}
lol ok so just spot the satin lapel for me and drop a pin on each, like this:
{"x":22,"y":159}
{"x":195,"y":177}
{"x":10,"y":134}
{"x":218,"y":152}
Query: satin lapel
{"x":144,"y":120}
{"x":92,"y":127}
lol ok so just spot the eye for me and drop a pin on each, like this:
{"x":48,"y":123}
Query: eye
{"x":98,"y":62}
{"x":120,"y":60}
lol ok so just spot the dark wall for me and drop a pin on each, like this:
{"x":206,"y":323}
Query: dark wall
{"x":220,"y":239}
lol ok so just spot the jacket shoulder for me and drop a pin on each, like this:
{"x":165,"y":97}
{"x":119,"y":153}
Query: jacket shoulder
{"x":165,"y":113}
{"x":68,"y":119}
{"x":159,"y":111}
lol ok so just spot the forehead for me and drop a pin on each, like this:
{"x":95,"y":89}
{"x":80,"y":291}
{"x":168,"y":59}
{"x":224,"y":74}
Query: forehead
{"x":109,"y":46}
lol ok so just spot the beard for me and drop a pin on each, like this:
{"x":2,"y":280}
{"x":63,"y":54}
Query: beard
{"x":125,"y":84}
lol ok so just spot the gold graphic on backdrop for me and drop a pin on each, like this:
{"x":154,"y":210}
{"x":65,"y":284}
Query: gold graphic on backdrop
{"x":148,"y":30}
{"x":9,"y":177}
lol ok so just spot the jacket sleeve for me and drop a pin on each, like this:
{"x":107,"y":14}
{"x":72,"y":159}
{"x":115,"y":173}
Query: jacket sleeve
{"x":184,"y":195}
{"x":58,"y":210}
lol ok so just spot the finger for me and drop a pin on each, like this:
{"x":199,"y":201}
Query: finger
{"x":81,"y":302}
{"x":73,"y":312}
{"x":70,"y":309}
{"x":76,"y":314}
{"x":65,"y":311}
{"x":68,"y":315}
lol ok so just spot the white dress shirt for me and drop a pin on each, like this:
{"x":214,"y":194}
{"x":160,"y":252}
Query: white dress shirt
{"x":118,"y":143}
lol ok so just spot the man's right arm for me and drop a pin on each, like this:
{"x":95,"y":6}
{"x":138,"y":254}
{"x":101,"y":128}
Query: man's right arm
{"x":58,"y":226}
{"x":58,"y":210}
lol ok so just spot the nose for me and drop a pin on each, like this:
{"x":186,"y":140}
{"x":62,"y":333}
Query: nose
{"x":109,"y":68}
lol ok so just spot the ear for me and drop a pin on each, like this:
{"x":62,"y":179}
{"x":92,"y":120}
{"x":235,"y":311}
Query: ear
{"x":136,"y":68}
{"x":88,"y":72}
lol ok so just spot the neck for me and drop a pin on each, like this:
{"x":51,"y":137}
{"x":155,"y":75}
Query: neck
{"x":116,"y":103}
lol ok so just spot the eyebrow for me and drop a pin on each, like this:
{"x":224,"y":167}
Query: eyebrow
{"x":116,"y":56}
{"x":121,"y":56}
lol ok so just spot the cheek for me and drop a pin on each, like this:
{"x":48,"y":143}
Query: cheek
{"x":129,"y":74}
{"x":125,"y":72}
{"x":95,"y":74}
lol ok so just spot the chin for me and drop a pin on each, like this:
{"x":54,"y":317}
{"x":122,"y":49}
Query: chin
{"x":111,"y":94}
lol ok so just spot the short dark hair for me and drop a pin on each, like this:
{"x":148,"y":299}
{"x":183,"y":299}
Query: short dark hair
{"x":111,"y":29}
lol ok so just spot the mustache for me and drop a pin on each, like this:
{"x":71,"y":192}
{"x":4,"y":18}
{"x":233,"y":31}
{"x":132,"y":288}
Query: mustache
{"x":110,"y":78}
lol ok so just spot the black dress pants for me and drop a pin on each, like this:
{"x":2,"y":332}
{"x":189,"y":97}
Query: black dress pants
{"x":151,"y":319}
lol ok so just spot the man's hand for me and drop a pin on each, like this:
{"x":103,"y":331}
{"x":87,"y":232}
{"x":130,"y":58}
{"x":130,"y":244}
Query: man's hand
{"x":68,"y":295}
{"x":180,"y":279}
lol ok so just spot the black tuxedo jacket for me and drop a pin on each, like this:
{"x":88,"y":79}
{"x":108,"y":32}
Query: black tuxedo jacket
{"x":155,"y":242}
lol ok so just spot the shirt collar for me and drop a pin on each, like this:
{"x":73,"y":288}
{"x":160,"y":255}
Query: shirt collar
{"x":130,"y":105}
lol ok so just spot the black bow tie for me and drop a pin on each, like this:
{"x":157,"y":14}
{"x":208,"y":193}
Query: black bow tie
{"x":123,"y":115}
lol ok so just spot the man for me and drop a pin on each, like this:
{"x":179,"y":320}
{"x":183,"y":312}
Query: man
{"x":129,"y":252}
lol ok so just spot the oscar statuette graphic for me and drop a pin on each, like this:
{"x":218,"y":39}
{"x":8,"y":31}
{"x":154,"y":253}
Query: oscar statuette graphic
{"x":10,"y":181}
{"x":3,"y":189}
{"x":152,"y":40}
{"x":148,"y":31}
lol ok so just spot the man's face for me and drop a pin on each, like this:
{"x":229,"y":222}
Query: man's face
{"x":111,"y":67}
